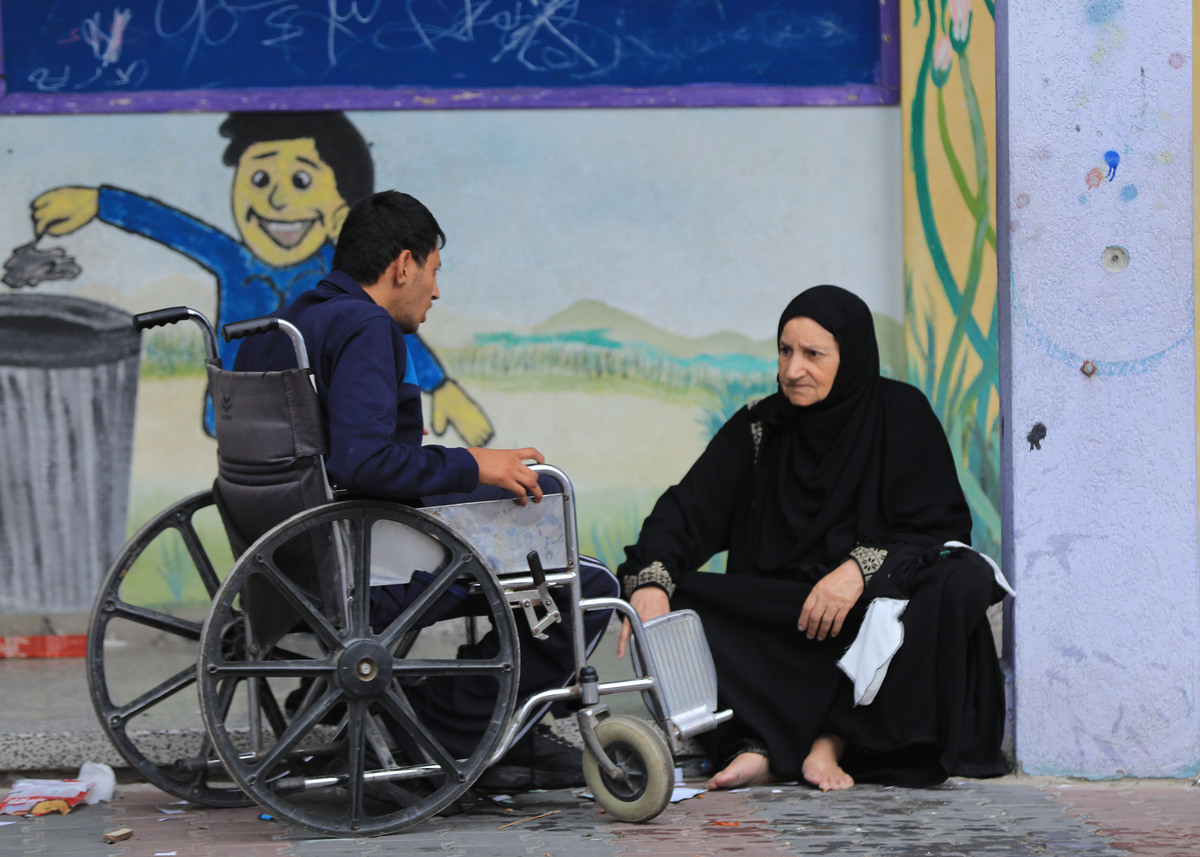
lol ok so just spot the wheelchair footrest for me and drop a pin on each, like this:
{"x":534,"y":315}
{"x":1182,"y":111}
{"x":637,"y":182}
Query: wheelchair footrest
{"x":686,"y":676}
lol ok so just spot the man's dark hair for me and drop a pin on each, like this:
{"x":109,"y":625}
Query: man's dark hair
{"x":380,"y":228}
{"x":338,"y":143}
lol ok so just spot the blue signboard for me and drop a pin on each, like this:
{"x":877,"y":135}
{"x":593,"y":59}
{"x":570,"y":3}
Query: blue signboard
{"x":215,"y":54}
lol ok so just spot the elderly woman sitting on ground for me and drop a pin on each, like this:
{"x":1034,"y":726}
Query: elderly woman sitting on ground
{"x":839,"y":504}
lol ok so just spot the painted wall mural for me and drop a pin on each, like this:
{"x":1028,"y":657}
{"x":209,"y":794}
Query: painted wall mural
{"x":68,"y":382}
{"x":295,"y":177}
{"x":610,"y":285}
{"x":950,"y":237}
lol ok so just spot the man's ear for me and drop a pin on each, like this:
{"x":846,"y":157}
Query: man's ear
{"x":402,"y":267}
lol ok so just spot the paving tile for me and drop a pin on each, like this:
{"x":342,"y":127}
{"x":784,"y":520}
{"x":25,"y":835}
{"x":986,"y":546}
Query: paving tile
{"x":1151,"y":820}
{"x":1012,"y":818}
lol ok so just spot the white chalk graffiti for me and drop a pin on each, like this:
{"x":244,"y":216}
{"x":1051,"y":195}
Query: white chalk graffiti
{"x":106,"y":50}
{"x":106,"y":47}
{"x":539,"y":35}
{"x":215,"y":43}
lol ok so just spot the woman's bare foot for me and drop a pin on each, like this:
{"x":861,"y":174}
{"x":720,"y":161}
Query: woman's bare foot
{"x":746,"y":769}
{"x":821,"y":768}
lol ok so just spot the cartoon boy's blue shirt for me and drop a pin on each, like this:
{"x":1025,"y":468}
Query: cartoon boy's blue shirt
{"x":247,"y":287}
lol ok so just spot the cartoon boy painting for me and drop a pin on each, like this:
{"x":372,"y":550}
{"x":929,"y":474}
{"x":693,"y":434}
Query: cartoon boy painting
{"x":295,"y":177}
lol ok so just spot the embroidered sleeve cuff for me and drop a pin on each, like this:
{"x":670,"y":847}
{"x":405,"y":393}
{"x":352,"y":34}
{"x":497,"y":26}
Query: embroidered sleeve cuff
{"x":655,"y":574}
{"x":868,"y":559}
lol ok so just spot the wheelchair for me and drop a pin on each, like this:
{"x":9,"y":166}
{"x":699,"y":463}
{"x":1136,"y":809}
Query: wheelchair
{"x":309,"y":705}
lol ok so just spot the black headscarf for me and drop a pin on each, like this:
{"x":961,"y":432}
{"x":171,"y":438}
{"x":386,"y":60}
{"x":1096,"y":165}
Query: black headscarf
{"x":822,"y":464}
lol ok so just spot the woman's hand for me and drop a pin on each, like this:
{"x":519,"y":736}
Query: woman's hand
{"x":649,"y":602}
{"x":826,"y":607}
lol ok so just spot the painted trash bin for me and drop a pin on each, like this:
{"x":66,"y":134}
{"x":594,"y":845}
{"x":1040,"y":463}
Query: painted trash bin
{"x":68,"y":388}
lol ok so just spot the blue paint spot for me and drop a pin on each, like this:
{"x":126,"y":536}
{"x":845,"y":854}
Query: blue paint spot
{"x":1099,"y":11}
{"x":1112,"y":158}
{"x":1083,"y":199}
{"x":1129,"y":192}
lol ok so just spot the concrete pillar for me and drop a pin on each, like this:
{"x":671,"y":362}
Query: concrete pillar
{"x":1095,"y":254}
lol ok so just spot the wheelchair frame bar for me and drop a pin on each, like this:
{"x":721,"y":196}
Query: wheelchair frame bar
{"x":570,"y":536}
{"x":408,"y":772}
{"x":298,"y":346}
{"x":647,"y":684}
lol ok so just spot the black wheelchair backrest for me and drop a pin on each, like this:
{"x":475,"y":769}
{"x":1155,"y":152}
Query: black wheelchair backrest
{"x":270,"y":449}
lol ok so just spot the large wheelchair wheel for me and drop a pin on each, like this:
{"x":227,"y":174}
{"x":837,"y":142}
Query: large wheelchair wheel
{"x":642,"y":754}
{"x":155,"y":596}
{"x":360,"y":751}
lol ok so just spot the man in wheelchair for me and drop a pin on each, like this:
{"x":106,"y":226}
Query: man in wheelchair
{"x":383,"y":282}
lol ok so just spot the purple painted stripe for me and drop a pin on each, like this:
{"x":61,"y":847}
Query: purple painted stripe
{"x":357,"y":98}
{"x":889,"y":47}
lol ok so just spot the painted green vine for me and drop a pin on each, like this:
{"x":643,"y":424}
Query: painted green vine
{"x":962,"y":402}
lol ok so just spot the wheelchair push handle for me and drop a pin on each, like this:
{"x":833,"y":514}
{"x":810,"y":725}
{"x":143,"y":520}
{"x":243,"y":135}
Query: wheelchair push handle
{"x":239,"y":329}
{"x":170,"y":315}
{"x":159,"y":317}
{"x":265,"y":324}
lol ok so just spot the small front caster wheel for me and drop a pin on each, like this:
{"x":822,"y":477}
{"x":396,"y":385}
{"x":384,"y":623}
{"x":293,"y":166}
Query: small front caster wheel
{"x":641,"y":751}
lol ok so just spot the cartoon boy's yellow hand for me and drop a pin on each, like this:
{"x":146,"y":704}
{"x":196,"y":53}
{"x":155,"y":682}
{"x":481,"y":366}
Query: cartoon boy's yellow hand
{"x":450,"y":405}
{"x":64,"y":209}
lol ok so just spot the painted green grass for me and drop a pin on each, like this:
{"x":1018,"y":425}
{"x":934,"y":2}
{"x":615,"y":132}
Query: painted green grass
{"x":171,"y":351}
{"x":540,"y":365}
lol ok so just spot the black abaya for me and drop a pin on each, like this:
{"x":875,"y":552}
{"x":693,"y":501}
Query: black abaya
{"x":789,"y":491}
